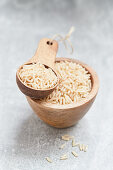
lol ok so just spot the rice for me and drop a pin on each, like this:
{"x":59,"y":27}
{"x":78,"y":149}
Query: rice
{"x":74,"y":86}
{"x":37,"y":76}
{"x":81,"y":147}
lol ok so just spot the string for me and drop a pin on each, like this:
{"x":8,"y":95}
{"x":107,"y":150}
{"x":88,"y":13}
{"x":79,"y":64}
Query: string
{"x":64,"y":39}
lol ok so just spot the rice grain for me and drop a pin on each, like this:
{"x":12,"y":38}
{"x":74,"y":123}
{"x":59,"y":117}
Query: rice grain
{"x":74,"y":153}
{"x":63,"y":157}
{"x":48,"y":159}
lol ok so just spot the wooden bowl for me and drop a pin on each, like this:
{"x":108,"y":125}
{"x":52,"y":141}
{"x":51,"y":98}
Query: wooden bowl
{"x":67,"y":115}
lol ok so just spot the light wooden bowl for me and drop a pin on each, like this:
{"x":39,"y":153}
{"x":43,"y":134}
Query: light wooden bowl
{"x":66,"y":115}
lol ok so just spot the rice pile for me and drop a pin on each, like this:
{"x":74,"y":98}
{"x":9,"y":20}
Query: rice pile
{"x":75,"y":84}
{"x":37,"y":76}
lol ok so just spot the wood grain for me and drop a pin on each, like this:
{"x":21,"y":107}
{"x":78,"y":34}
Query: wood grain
{"x":67,"y":115}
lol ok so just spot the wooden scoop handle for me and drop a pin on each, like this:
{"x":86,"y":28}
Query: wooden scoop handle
{"x":46,"y":52}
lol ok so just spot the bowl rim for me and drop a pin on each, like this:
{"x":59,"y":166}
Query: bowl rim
{"x":92,"y":94}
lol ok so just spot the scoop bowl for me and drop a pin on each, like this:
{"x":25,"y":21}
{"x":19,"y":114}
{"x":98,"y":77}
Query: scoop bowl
{"x":34,"y":93}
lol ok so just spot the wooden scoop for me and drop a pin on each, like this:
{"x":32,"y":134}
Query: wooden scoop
{"x":45,"y":54}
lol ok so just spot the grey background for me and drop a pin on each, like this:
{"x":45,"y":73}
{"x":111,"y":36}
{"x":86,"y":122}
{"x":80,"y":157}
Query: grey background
{"x":25,"y":140}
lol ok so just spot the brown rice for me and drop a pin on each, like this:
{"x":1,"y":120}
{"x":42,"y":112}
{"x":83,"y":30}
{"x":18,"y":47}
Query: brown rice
{"x":37,"y":76}
{"x":74,"y":86}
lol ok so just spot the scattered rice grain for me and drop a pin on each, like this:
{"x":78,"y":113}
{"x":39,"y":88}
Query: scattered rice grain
{"x":74,"y":143}
{"x":67,"y":137}
{"x":63,"y":157}
{"x":85,"y":148}
{"x":74,"y":153}
{"x":48,"y":159}
{"x":80,"y":147}
{"x":62,"y":146}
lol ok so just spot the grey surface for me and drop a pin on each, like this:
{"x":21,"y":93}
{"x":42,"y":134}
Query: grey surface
{"x":24,"y":139}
